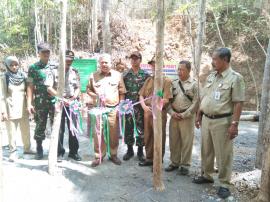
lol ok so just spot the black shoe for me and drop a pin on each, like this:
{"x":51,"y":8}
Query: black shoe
{"x":60,"y":156}
{"x":39,"y":154}
{"x":171,"y":168}
{"x":146,"y":163}
{"x":76,"y":157}
{"x":183,"y":171}
{"x":223,"y":192}
{"x":201,"y":180}
{"x":129,"y":154}
{"x":140,"y":153}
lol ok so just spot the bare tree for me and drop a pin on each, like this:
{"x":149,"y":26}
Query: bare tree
{"x":200,"y":35}
{"x":158,"y":82}
{"x":38,"y":37}
{"x":61,"y":72}
{"x":264,"y":193}
{"x":94,"y":30}
{"x":106,"y":34}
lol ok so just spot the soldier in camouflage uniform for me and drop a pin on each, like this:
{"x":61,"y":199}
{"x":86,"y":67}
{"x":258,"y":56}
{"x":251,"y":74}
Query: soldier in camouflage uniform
{"x":134,"y":79}
{"x":37,"y":94}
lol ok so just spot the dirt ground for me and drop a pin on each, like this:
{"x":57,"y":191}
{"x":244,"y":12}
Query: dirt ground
{"x":27,"y":179}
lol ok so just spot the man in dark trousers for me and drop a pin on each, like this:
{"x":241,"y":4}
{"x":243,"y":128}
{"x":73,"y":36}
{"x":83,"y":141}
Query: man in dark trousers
{"x":71,"y":93}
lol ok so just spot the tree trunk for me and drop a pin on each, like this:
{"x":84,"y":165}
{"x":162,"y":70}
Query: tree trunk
{"x":94,"y":30}
{"x":61,"y":72}
{"x":1,"y":165}
{"x":106,"y":34}
{"x":158,"y":83}
{"x":37,"y":28}
{"x":199,"y":44}
{"x":89,"y":30}
{"x":263,"y":145}
{"x":263,"y":115}
{"x":71,"y":31}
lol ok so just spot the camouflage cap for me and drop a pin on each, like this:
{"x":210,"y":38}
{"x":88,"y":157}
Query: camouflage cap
{"x":70,"y":55}
{"x":43,"y":47}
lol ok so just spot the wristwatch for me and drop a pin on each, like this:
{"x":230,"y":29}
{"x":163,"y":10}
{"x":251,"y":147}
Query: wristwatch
{"x":235,"y":123}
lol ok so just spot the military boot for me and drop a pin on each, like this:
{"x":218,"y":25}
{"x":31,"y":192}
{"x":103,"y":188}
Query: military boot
{"x":129,"y":154}
{"x":39,"y":154}
{"x":140,"y":153}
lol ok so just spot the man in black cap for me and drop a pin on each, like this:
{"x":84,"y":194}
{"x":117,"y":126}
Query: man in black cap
{"x":37,"y":94}
{"x":71,"y":93}
{"x":134,"y":79}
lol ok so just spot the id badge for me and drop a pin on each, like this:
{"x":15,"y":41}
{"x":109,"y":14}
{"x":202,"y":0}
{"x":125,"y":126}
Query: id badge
{"x":217,"y":95}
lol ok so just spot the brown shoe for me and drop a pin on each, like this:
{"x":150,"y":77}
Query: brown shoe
{"x":95,"y":163}
{"x":115,"y":160}
{"x":171,"y":168}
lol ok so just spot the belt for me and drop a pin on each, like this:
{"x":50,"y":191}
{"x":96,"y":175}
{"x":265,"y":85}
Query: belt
{"x":218,"y":116}
{"x":180,"y":111}
{"x":111,"y":106}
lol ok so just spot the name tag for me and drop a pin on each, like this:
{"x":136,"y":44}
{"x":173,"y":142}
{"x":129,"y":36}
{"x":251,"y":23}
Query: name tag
{"x":217,"y":95}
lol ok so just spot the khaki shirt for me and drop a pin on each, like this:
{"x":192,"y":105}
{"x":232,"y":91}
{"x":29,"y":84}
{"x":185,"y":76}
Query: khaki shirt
{"x":148,"y":89}
{"x":109,"y":86}
{"x":13,"y":99}
{"x":181,"y":102}
{"x":221,"y":91}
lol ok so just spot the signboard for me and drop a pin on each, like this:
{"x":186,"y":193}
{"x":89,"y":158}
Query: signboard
{"x":84,"y":67}
{"x":169,"y":69}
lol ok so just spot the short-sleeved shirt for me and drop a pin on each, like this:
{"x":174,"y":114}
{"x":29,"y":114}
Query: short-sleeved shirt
{"x":148,"y":89}
{"x":110,"y":86}
{"x":72,"y":81}
{"x":37,"y":74}
{"x":133,"y":83}
{"x":180,"y":102}
{"x":221,"y":91}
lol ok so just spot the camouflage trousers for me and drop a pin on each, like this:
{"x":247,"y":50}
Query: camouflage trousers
{"x":129,"y":129}
{"x":41,"y":116}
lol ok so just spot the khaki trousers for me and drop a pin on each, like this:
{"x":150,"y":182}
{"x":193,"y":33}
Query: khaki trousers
{"x":149,"y":134}
{"x":216,"y":143}
{"x":114,"y":137}
{"x":181,"y":135}
{"x":18,"y":126}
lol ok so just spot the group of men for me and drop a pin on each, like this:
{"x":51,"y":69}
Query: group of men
{"x":217,"y":111}
{"x":41,"y":92}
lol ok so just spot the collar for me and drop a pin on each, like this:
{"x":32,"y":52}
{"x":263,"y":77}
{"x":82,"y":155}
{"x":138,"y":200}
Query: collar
{"x":132,"y":72}
{"x":189,"y":80}
{"x":102,"y":74}
{"x":226,"y":72}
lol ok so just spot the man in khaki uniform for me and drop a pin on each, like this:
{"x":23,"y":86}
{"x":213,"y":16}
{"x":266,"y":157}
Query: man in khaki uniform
{"x":145,"y":92}
{"x":220,"y":110}
{"x":182,"y":110}
{"x":109,"y":84}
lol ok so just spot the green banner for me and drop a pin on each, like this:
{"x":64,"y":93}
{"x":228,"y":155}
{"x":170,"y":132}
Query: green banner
{"x":85,"y":67}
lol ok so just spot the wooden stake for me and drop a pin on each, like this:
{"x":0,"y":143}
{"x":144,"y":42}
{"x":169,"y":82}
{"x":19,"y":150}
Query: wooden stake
{"x":52,"y":158}
{"x":158,"y":83}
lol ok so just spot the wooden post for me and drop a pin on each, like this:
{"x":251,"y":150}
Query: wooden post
{"x":158,"y":83}
{"x":52,"y":159}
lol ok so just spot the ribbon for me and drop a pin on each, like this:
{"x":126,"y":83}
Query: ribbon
{"x":99,"y":120}
{"x":74,"y":112}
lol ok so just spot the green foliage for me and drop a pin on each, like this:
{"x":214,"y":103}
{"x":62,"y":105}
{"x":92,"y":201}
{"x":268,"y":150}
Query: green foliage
{"x":241,"y":18}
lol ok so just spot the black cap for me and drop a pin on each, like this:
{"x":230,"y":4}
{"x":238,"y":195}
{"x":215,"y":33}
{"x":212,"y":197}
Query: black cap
{"x":70,"y":55}
{"x":136,"y":54}
{"x":43,"y":47}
